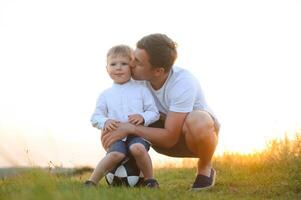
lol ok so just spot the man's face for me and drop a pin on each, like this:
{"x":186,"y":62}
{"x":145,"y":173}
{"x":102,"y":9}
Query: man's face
{"x":141,"y":68}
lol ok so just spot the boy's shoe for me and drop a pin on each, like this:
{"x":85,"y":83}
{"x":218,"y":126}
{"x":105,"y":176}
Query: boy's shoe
{"x":89,"y":183}
{"x":204,"y":182}
{"x":151,"y":183}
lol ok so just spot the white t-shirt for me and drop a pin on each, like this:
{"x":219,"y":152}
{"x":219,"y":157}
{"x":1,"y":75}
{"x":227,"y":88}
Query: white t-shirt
{"x":122,"y":100}
{"x":181,"y":92}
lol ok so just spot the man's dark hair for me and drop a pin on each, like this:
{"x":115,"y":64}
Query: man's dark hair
{"x":162,"y":51}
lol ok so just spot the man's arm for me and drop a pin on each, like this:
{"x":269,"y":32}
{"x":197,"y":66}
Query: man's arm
{"x":163,"y":137}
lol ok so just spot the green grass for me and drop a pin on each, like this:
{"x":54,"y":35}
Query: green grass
{"x":272,"y":174}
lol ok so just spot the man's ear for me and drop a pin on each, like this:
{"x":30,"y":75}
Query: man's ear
{"x":159,"y":71}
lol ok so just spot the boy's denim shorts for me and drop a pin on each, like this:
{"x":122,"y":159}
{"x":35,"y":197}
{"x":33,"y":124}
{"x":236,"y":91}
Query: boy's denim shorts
{"x":124,"y":146}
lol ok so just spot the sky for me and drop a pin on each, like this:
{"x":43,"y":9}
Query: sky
{"x":246,"y":55}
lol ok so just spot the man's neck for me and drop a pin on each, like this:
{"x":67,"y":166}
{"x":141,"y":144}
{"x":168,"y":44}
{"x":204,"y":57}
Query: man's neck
{"x":159,"y":81}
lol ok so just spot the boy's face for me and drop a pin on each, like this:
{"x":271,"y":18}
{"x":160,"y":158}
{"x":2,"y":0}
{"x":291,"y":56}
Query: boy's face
{"x":118,"y":68}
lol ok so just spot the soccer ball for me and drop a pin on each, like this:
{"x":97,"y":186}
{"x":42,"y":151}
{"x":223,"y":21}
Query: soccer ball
{"x":125,"y":174}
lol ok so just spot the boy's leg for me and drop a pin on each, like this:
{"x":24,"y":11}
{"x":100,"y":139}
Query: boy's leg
{"x":138,"y":148}
{"x":115,"y":155}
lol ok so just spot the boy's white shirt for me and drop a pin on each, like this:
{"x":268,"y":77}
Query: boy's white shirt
{"x":122,"y":100}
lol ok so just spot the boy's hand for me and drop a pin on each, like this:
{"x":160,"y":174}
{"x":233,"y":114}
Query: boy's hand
{"x":108,"y":138}
{"x":136,"y":119}
{"x":110,"y":125}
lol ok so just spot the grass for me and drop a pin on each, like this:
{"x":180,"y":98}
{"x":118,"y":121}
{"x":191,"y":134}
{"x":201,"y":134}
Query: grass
{"x":272,"y":174}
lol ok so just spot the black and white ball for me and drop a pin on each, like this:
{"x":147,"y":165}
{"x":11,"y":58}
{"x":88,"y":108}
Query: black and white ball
{"x":125,"y":174}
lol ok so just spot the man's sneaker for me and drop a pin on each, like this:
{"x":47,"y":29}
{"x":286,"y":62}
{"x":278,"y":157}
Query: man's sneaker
{"x":204,"y":182}
{"x":89,"y":183}
{"x":151,"y":183}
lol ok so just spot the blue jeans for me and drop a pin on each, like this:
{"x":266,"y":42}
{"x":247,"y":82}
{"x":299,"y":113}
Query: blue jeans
{"x":124,"y":146}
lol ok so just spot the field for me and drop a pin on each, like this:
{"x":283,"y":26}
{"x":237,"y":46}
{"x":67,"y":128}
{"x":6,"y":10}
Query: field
{"x":272,"y":174}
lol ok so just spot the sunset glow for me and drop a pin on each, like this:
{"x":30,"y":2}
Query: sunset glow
{"x":246,"y":55}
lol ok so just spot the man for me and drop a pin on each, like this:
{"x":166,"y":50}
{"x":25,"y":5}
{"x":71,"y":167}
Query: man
{"x":187,"y":126}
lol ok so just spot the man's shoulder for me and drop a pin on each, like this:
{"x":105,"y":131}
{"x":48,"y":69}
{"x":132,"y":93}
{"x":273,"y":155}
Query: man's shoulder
{"x":181,"y":76}
{"x":180,"y":72}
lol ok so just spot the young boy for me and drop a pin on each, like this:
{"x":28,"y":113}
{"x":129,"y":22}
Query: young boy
{"x":125,"y":101}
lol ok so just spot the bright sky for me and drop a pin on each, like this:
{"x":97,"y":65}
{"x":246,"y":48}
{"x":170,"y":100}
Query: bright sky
{"x":246,"y":54}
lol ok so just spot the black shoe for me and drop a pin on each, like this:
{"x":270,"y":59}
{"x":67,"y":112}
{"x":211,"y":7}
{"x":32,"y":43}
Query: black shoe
{"x":151,"y":183}
{"x":89,"y":183}
{"x":204,"y":182}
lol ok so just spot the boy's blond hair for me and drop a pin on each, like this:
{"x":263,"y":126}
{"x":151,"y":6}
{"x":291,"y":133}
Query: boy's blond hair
{"x":120,"y":50}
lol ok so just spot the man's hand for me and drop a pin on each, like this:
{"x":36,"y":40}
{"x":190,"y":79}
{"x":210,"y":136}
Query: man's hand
{"x":123,"y":129}
{"x":136,"y":119}
{"x":110,"y":125}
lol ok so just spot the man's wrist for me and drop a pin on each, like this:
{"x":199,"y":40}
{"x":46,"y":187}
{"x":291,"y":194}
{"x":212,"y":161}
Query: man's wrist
{"x":133,"y":129}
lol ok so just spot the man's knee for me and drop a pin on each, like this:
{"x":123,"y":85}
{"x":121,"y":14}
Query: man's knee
{"x":199,"y":123}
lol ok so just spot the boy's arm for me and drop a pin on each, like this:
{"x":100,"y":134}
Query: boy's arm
{"x":99,"y":117}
